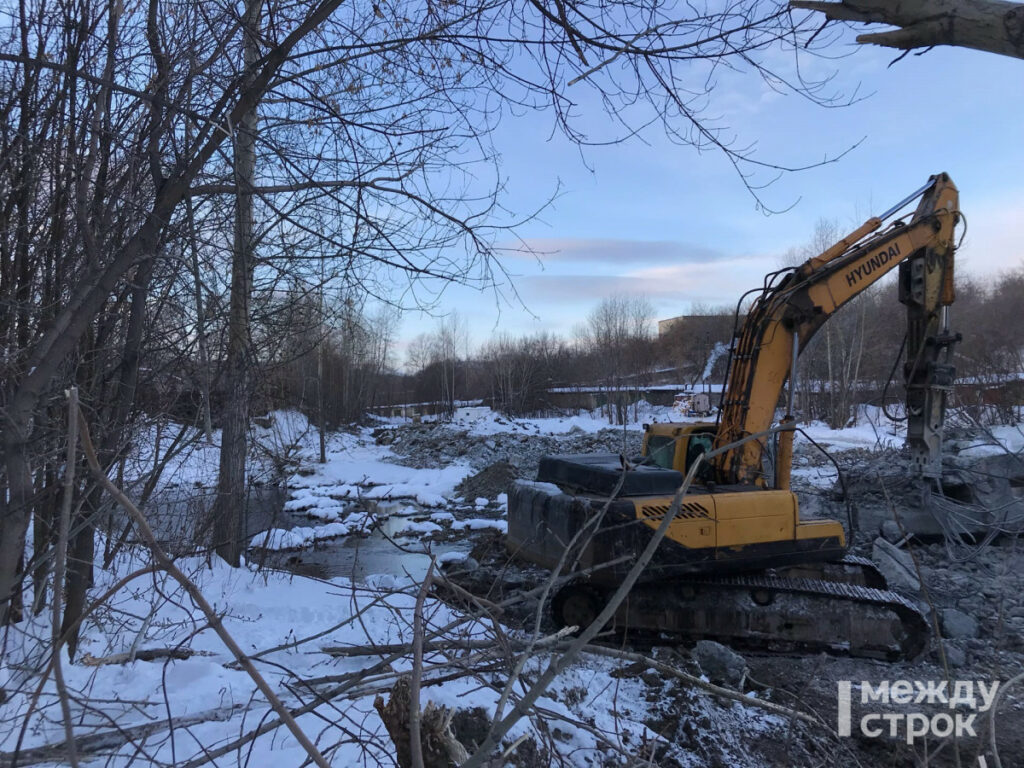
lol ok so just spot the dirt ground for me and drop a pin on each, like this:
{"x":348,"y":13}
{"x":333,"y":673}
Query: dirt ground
{"x":973,"y":595}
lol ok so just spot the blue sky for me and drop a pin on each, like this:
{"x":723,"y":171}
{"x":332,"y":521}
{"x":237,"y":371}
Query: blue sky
{"x":662,"y":220}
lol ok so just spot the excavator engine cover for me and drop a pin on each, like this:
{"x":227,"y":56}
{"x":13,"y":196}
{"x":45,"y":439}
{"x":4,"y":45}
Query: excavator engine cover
{"x":600,"y":473}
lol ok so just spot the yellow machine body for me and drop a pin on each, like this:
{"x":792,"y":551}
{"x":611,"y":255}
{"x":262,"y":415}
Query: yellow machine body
{"x":730,"y":517}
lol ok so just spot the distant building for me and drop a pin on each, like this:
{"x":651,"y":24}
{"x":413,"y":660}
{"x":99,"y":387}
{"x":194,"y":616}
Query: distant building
{"x":719,"y":325}
{"x":664,"y":326}
{"x":697,"y":345}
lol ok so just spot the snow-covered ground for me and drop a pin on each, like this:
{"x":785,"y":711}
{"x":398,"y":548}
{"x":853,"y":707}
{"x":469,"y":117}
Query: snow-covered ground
{"x":482,"y":421}
{"x":171,"y":712}
{"x":178,"y":710}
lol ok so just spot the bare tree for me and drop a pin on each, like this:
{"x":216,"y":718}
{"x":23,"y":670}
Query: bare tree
{"x":621,"y":341}
{"x":438,"y":361}
{"x":521,"y":370}
{"x":830,"y":366}
{"x":231,"y":500}
{"x":373,"y":147}
{"x":327,"y":359}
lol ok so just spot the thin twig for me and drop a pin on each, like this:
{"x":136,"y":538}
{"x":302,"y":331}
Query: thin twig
{"x":60,"y":559}
{"x":417,"y":669}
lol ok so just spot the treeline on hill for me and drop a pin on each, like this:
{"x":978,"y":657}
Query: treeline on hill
{"x":616,"y":355}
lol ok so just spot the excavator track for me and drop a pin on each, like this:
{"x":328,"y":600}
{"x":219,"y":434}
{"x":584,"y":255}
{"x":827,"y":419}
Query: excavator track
{"x":851,"y":569}
{"x":761,"y":612}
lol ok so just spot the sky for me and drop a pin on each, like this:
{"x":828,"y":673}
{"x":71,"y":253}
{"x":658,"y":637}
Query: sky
{"x":653,"y":218}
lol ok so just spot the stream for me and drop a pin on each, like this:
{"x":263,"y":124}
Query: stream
{"x":177,"y":514}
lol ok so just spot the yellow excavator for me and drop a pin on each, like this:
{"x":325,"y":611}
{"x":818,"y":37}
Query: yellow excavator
{"x":738,"y":563}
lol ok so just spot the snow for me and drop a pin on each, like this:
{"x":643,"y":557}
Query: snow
{"x":996,"y":440}
{"x":823,"y":477}
{"x":871,"y":430}
{"x":358,"y":468}
{"x":298,"y":537}
{"x":288,"y":435}
{"x":261,"y":611}
{"x":306,"y":501}
{"x":486,"y":422}
{"x":480,"y":524}
{"x":284,"y":621}
{"x":410,"y":527}
{"x":270,"y":614}
{"x":549,"y":488}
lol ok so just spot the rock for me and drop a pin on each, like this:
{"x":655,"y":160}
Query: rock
{"x":955,"y":655}
{"x":488,"y":483}
{"x":1014,"y":623}
{"x":719,"y":663}
{"x":896,"y":565}
{"x":891,"y":531}
{"x":470,"y":726}
{"x":652,"y":679}
{"x":636,"y":669}
{"x":957,"y":624}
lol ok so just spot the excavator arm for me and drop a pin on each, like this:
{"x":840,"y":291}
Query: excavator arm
{"x":786,"y":315}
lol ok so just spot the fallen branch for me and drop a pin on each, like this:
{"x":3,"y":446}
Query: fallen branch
{"x":193,"y":591}
{"x":448,"y":645}
{"x":696,"y":682}
{"x":146,"y":654}
{"x":115,"y":739}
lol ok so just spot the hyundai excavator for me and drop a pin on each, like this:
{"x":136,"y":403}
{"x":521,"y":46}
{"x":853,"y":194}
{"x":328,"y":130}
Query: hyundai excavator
{"x":737,"y":563}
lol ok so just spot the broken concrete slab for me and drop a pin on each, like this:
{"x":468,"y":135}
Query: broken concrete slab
{"x":720,"y":663}
{"x":957,"y":624}
{"x":897,"y":566}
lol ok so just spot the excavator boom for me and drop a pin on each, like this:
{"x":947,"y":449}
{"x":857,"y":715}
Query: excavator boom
{"x":785,"y":316}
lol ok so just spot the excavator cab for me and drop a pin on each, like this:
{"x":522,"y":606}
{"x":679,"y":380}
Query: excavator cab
{"x":675,"y":445}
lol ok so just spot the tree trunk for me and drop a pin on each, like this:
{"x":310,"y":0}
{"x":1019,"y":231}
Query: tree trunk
{"x":14,"y":517}
{"x":204,"y":355}
{"x":994,"y":26}
{"x":231,"y":486}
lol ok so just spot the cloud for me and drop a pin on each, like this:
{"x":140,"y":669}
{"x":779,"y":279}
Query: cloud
{"x":559,"y":251}
{"x":673,"y":285}
{"x":576,"y":289}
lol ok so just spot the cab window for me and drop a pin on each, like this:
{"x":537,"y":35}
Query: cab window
{"x":661,"y":449}
{"x":698,"y":444}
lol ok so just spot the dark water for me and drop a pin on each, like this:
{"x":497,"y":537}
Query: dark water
{"x":180,"y":518}
{"x":380,"y":552}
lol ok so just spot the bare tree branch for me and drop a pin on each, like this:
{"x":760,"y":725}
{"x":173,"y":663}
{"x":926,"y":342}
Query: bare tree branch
{"x":995,"y":26}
